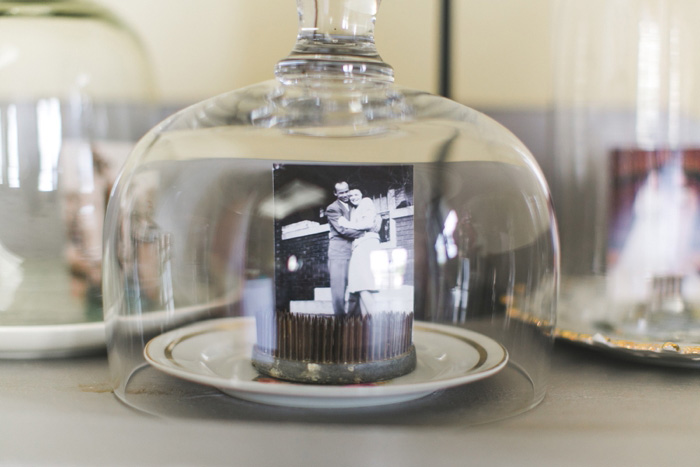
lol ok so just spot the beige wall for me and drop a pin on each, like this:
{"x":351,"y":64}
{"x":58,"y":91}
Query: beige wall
{"x":205,"y":47}
{"x":502,"y":53}
{"x":202,"y":48}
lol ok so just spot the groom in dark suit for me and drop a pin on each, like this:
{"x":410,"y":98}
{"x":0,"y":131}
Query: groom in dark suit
{"x":340,"y":250}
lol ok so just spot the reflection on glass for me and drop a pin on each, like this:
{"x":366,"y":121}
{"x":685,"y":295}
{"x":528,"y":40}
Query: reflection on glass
{"x":49,"y":133}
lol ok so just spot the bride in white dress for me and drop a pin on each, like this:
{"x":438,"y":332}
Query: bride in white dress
{"x":361,"y":278}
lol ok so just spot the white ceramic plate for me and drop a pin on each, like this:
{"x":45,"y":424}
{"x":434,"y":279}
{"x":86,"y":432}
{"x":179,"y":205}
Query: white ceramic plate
{"x":217,"y":353}
{"x":67,"y":340}
{"x":48,"y":341}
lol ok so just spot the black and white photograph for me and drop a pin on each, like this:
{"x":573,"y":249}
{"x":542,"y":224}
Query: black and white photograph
{"x":343,"y":239}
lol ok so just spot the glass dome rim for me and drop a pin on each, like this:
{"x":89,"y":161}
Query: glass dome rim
{"x":61,"y":9}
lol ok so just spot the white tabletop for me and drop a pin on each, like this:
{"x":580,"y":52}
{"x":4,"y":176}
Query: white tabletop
{"x":600,"y":410}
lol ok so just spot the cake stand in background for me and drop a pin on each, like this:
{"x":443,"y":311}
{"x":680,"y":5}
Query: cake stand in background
{"x":75,"y":92}
{"x":627,"y":191}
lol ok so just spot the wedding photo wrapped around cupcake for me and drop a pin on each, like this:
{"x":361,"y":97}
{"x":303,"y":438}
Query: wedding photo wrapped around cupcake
{"x":344,"y":275}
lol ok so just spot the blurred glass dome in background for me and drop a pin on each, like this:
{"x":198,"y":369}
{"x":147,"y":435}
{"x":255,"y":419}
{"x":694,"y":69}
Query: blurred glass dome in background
{"x":75,"y":89}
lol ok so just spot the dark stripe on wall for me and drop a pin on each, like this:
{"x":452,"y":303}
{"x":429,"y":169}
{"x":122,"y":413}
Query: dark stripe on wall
{"x":445,"y":68}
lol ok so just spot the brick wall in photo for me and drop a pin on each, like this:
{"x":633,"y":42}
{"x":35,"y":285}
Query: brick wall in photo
{"x":311,"y":252}
{"x":404,"y":239}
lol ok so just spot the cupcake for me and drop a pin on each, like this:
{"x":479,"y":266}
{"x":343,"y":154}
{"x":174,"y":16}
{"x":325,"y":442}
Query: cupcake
{"x":329,"y":349}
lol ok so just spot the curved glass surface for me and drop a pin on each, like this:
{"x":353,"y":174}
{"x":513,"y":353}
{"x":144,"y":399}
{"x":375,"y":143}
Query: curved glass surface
{"x":75,"y":92}
{"x":223,"y":236}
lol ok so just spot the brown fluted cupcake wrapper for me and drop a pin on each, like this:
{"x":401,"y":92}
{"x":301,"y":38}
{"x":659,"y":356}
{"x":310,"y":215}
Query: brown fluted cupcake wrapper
{"x":327,"y":339}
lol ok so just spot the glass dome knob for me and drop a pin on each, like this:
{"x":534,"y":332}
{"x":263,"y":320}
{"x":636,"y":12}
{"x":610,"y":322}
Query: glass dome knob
{"x":335,"y":35}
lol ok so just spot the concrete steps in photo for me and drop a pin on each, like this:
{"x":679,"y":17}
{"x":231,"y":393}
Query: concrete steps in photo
{"x":396,"y":300}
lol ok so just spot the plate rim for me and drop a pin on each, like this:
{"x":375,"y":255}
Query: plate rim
{"x":326,"y":391}
{"x":49,"y":340}
{"x":583,"y":333}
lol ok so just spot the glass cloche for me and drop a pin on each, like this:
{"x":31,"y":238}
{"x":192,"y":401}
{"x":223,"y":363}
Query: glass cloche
{"x":74,"y":92}
{"x":627,"y":142}
{"x":327,"y":240}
